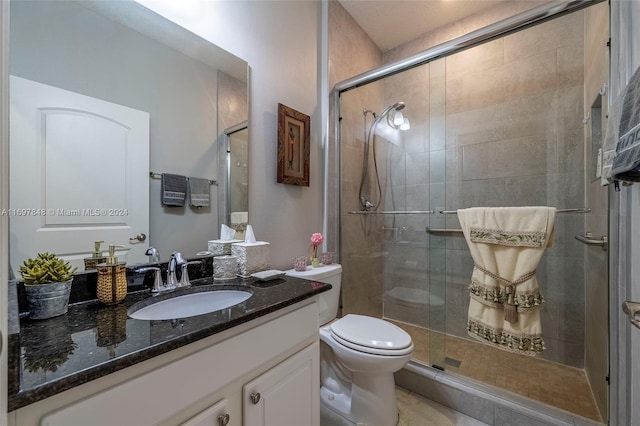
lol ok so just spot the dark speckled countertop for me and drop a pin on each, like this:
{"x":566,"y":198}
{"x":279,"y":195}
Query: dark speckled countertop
{"x":92,"y":340}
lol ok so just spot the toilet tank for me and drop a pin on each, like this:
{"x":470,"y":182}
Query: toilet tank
{"x":329,"y":300}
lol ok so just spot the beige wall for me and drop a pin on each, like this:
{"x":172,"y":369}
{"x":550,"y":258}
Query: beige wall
{"x":280,"y":41}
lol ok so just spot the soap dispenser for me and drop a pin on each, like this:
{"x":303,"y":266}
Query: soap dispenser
{"x":90,"y":263}
{"x":112,"y":279}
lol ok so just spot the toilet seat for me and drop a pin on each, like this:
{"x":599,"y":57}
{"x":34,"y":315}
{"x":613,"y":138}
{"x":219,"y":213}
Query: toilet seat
{"x":371,"y":335}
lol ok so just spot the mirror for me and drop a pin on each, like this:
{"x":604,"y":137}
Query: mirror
{"x":237,"y":200}
{"x":125,"y":54}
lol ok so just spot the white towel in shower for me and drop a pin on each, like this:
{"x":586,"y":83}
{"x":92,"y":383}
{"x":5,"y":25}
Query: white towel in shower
{"x":506,"y":244}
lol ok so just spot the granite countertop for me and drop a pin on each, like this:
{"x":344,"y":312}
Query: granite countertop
{"x":92,"y":339}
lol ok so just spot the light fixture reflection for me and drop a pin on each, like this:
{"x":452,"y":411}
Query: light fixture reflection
{"x":398,"y":119}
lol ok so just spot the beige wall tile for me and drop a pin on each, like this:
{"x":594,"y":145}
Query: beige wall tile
{"x":472,"y":90}
{"x":505,"y":158}
{"x":532,"y":75}
{"x":564,"y":31}
{"x":527,"y":116}
{"x":476,"y":126}
{"x":485,"y":57}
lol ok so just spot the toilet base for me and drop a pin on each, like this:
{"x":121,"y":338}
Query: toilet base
{"x":336,"y":410}
{"x":328,"y":417}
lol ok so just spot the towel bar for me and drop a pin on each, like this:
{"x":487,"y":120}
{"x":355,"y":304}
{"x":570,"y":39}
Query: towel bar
{"x":154,"y":175}
{"x":442,"y":230}
{"x":581,"y":210}
{"x":394,"y":212}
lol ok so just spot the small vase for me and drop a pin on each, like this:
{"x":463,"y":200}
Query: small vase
{"x":315,"y":262}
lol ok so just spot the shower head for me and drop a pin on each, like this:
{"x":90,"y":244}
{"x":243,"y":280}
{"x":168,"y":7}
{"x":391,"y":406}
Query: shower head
{"x":395,"y":119}
{"x":398,"y":106}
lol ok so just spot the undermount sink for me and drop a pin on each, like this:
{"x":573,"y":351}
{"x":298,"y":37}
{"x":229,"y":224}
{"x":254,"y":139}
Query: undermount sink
{"x":190,"y":305}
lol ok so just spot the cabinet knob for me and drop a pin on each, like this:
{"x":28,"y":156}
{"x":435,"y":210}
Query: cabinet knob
{"x":255,"y":398}
{"x":223,"y":419}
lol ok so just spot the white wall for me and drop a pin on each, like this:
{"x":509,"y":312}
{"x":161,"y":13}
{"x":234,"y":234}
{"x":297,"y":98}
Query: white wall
{"x":279,"y":40}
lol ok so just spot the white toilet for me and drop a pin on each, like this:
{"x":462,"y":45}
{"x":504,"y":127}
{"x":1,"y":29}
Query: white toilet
{"x":357,"y":360}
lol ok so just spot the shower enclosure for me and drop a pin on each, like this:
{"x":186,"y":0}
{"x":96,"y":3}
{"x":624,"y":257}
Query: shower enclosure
{"x":499,"y":123}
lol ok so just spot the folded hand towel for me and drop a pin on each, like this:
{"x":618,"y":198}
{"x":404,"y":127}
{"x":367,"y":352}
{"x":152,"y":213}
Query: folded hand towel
{"x":506,"y":244}
{"x":199,"y":192}
{"x":173,"y":189}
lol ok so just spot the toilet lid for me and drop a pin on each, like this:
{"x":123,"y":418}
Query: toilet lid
{"x":371,"y":333}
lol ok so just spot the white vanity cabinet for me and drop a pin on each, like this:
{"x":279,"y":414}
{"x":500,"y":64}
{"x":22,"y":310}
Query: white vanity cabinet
{"x":216,"y":415}
{"x":286,"y":394}
{"x":276,"y":356}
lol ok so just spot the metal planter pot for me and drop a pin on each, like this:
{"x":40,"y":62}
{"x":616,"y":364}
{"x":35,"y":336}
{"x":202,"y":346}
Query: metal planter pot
{"x":48,"y":300}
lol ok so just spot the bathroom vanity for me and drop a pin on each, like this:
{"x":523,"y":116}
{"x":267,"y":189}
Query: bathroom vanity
{"x":254,"y":363}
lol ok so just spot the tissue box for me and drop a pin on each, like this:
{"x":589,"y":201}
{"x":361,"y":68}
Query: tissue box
{"x":220,"y":247}
{"x":252,"y":257}
{"x":224,"y":268}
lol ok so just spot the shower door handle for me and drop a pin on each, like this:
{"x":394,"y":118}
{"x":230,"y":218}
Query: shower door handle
{"x":588,"y":239}
{"x":632,"y":309}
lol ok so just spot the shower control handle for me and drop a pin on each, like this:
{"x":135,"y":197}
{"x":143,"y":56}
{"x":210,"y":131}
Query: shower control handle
{"x":632,"y":309}
{"x":589,"y":240}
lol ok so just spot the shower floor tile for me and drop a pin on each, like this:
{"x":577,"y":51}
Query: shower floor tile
{"x":545,"y":381}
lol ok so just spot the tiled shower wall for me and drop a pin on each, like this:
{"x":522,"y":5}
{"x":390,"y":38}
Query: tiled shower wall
{"x":512,"y":136}
{"x":352,"y":52}
{"x":497,"y":125}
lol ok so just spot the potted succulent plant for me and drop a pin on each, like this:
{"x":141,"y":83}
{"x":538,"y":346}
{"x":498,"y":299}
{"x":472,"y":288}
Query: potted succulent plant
{"x":47,"y":283}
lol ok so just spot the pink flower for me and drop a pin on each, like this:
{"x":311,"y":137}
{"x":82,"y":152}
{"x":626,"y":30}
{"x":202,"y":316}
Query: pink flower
{"x":317,"y":239}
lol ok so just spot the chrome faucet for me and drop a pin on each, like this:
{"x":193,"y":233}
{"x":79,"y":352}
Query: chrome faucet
{"x":158,"y":285}
{"x":184,"y":276}
{"x":154,"y":255}
{"x":175,"y":260}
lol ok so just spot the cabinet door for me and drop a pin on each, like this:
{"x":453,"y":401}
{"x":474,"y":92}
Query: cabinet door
{"x":288,"y":394}
{"x":216,"y":415}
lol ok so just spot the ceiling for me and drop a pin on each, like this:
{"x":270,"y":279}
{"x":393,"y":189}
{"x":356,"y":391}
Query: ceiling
{"x":391,"y":23}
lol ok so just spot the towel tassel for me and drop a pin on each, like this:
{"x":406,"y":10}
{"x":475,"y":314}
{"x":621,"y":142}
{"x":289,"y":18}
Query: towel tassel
{"x":510,"y":307}
{"x":510,"y":310}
